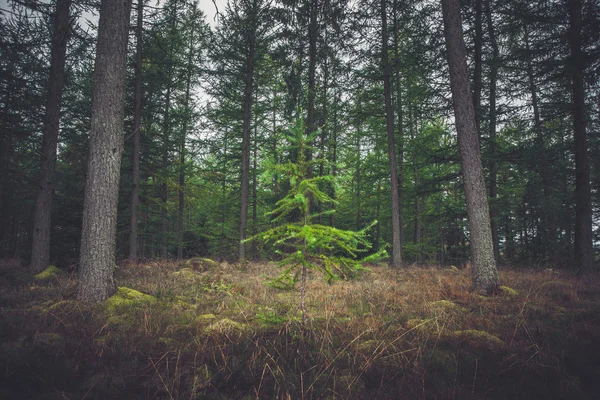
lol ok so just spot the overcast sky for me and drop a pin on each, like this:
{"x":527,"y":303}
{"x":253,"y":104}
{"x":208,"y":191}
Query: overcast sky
{"x":209,"y":9}
{"x":206,"y":5}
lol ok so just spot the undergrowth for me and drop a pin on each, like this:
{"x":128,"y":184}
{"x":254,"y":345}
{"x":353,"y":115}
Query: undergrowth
{"x":180,"y":332}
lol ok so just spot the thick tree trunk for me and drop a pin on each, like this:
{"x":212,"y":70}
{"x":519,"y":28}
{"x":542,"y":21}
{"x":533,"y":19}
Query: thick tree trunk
{"x":98,"y":235}
{"x":492,"y":129}
{"x":477,"y":74}
{"x":485,"y":275}
{"x":584,"y":253}
{"x":396,"y":260}
{"x":247,"y":110}
{"x":40,"y":250}
{"x":137,"y":126}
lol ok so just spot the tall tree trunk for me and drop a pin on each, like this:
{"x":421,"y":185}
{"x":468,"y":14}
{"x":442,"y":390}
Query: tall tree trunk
{"x":40,"y":250}
{"x":477,"y":74}
{"x":164,"y":192}
{"x":333,"y":144}
{"x":549,"y":222}
{"x":584,"y":253}
{"x":247,"y":110}
{"x":494,"y":64}
{"x":377,"y":240}
{"x":312,"y":82}
{"x":137,"y":126}
{"x":98,"y":235}
{"x":485,"y":274}
{"x":164,"y":227}
{"x":254,"y":248}
{"x":396,"y":260}
{"x":323,"y":125}
{"x":184,"y":128}
{"x":400,"y":116}
{"x":275,"y":139}
{"x":224,"y":192}
{"x":357,"y":192}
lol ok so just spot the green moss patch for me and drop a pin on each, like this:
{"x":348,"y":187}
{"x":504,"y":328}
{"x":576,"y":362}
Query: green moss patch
{"x":443,"y":305}
{"x":126,"y":297}
{"x":48,"y":273}
{"x":225,"y":326}
{"x":510,"y":292}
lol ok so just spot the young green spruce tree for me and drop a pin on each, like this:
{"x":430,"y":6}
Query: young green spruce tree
{"x":307,"y":245}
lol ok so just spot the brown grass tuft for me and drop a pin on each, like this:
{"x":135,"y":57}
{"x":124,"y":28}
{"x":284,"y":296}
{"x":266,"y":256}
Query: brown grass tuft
{"x":220,"y":332}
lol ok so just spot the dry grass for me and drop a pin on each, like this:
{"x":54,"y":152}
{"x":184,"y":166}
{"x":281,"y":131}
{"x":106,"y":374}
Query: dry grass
{"x":415,"y":333}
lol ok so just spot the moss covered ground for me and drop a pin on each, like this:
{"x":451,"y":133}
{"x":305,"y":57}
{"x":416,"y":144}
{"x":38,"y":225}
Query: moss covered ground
{"x":216,"y":331}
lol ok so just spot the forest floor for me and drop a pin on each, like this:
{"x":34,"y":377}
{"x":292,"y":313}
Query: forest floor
{"x":202,"y":330}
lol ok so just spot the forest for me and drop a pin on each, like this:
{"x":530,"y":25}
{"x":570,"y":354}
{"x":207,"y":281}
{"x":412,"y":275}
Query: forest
{"x":299,"y":199}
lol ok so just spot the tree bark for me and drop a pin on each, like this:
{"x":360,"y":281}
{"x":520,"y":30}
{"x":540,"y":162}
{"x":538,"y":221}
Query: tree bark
{"x":584,"y":253}
{"x":164,"y":190}
{"x":184,"y":128}
{"x":477,"y":74}
{"x":549,"y":222}
{"x":400,"y":116}
{"x":247,"y":110}
{"x":484,"y":272}
{"x":492,"y":128}
{"x":396,"y":260}
{"x":137,"y":126}
{"x":97,"y":254}
{"x":312,"y":83}
{"x":40,"y":250}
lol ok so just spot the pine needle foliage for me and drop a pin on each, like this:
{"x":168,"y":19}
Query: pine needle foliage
{"x":305,"y":245}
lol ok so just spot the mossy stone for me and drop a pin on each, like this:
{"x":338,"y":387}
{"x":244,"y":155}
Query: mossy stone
{"x":46,"y":274}
{"x":205,"y":317}
{"x":186,"y":274}
{"x":443,"y":305}
{"x":510,"y":292}
{"x":225,"y":326}
{"x":127,"y":297}
{"x":202,"y":264}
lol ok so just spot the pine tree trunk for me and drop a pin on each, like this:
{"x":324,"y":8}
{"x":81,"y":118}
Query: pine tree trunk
{"x":396,"y":260}
{"x":98,"y":235}
{"x":184,"y":128}
{"x":492,"y":129}
{"x":584,"y":253}
{"x":164,"y":190}
{"x":358,"y":180}
{"x":40,"y":250}
{"x":312,"y":68}
{"x":247,"y":110}
{"x":254,"y":248}
{"x":400,"y":116}
{"x":485,"y":275}
{"x":137,"y":125}
{"x":548,"y":230}
{"x":333,"y":144}
{"x":477,"y":73}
